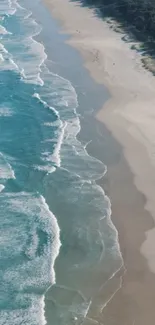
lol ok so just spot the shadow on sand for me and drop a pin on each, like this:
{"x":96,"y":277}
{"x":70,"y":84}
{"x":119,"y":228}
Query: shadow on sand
{"x":140,"y":35}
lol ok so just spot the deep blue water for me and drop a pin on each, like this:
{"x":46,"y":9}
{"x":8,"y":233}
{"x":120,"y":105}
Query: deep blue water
{"x":49,"y":198}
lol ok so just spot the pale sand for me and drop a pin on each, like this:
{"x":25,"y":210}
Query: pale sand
{"x":130,"y":116}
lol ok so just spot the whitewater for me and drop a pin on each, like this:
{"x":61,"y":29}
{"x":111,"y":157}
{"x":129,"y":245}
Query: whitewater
{"x":51,"y":207}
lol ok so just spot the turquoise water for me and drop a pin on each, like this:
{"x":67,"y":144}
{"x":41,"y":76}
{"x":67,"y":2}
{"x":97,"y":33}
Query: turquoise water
{"x":50,"y":204}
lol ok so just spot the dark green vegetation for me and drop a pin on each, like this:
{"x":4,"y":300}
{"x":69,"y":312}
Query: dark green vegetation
{"x":137,"y":17}
{"x":139,"y":13}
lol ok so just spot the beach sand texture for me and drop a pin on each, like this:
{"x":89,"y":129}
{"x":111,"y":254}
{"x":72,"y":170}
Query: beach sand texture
{"x":130,"y":116}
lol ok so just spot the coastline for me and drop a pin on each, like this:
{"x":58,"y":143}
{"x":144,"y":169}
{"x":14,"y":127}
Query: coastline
{"x":129,"y":117}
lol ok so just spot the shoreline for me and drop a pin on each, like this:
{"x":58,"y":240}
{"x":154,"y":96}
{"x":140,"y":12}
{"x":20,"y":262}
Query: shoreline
{"x":128,"y":114}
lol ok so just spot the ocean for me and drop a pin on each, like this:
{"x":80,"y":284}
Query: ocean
{"x":57,"y":239}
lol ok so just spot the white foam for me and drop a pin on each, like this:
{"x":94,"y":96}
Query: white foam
{"x":29,"y":69}
{"x":1,"y":187}
{"x":32,"y":68}
{"x":39,"y":215}
{"x":32,"y":48}
{"x":34,"y":209}
{"x":34,"y":314}
{"x":53,"y":157}
{"x":14,"y":64}
{"x":6,"y":171}
{"x":56,"y":158}
{"x":3,"y":30}
{"x":1,"y":58}
{"x":55,"y":230}
{"x":27,"y":219}
{"x":27,"y":13}
{"x":7,"y":8}
{"x":75,"y":158}
{"x":55,"y":123}
{"x":3,"y":49}
{"x":67,"y":140}
{"x":7,"y":60}
{"x":36,"y":95}
{"x":5,"y":111}
{"x":60,"y":91}
{"x":47,"y":168}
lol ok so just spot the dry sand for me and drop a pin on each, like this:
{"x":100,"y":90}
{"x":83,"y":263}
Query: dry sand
{"x":130,"y":116}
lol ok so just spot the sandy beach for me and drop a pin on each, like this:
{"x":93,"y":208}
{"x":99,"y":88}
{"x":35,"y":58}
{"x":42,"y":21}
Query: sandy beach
{"x":129,"y":115}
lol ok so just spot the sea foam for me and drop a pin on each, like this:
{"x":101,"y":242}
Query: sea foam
{"x":30,"y":235}
{"x":31,"y":240}
{"x":6,"y":171}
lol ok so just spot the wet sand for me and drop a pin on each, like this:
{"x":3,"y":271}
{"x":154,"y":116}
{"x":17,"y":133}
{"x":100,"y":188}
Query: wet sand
{"x":134,"y":302}
{"x":130,"y":181}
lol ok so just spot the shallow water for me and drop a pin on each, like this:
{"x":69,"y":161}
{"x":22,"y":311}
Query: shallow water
{"x":50,"y":203}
